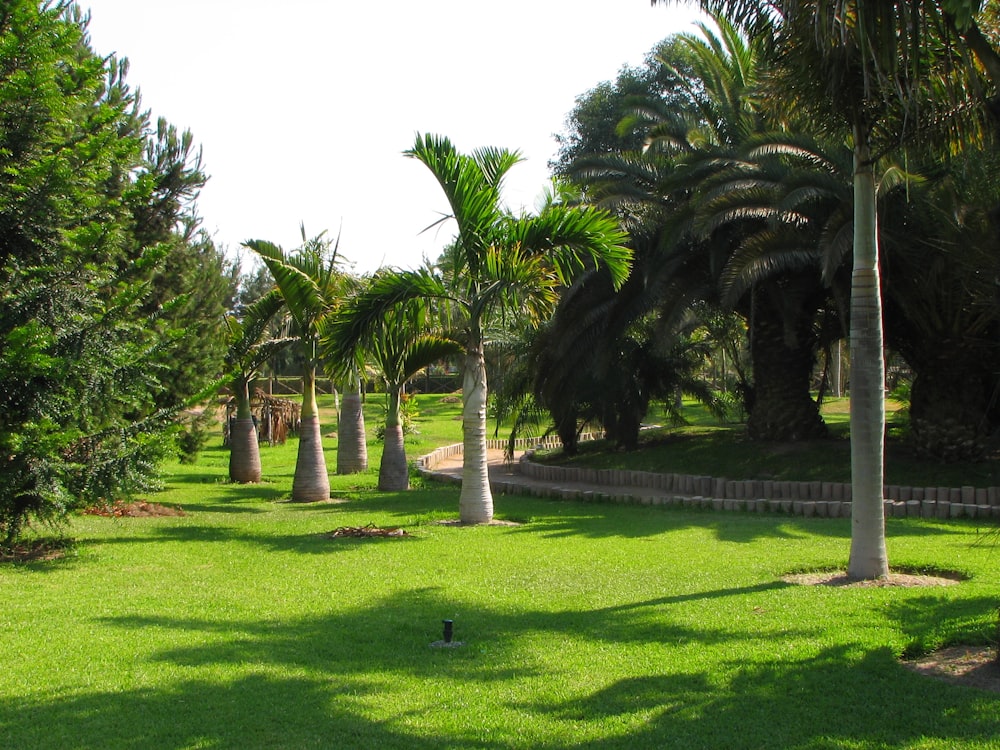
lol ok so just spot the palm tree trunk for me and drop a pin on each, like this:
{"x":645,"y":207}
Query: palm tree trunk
{"x":475,"y":504}
{"x":836,"y":387}
{"x":868,"y":553}
{"x":352,"y":448}
{"x":311,"y":482}
{"x":244,"y":448}
{"x":393,"y":473}
{"x":950,"y":401}
{"x":782,"y":347}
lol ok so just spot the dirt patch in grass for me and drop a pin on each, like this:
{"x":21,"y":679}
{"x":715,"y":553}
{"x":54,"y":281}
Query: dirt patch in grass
{"x":137,"y":509}
{"x":369,"y":531}
{"x":36,"y":550}
{"x":972,"y":666}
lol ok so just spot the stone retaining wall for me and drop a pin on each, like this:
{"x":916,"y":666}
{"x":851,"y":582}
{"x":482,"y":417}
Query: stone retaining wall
{"x":828,"y":499}
{"x":823,"y":499}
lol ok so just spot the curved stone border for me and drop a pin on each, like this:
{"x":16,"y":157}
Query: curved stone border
{"x":822,"y":499}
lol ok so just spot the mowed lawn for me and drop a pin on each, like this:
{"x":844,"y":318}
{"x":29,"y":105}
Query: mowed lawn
{"x":242,"y":625}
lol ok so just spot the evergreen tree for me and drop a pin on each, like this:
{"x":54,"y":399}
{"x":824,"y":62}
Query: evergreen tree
{"x":82,"y":344}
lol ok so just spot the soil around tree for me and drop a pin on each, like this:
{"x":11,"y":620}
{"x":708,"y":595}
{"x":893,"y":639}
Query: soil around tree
{"x":840,"y":578}
{"x":972,"y":666}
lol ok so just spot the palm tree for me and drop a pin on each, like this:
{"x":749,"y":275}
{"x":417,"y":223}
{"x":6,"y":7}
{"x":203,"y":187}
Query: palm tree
{"x":500,"y":266}
{"x":867,"y":66}
{"x":352,"y":442}
{"x":399,"y":345}
{"x":695,"y":143}
{"x":247,"y":353}
{"x":308,"y":280}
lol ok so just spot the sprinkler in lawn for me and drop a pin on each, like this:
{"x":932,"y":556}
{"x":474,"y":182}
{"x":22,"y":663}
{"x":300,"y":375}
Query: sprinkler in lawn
{"x":449,"y":632}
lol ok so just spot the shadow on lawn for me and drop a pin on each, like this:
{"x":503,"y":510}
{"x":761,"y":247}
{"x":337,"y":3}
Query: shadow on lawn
{"x":837,"y":698}
{"x":317,"y":680}
{"x":255,"y":711}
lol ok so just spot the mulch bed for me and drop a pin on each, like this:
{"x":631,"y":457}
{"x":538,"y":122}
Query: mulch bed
{"x":363,"y":532}
{"x":36,"y":550}
{"x":138,"y":509}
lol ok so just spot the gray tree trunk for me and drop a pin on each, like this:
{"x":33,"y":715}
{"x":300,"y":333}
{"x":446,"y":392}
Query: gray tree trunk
{"x":352,"y":447}
{"x":836,"y":386}
{"x":868,"y":558}
{"x":244,"y":448}
{"x":475,"y":504}
{"x":393,"y":471}
{"x":311,"y":482}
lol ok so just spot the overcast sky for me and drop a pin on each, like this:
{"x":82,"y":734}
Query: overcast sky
{"x":304,"y":107}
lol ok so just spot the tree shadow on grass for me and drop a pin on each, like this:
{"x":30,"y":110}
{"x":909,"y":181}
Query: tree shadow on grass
{"x":837,"y":698}
{"x":255,"y":711}
{"x":318,"y":680}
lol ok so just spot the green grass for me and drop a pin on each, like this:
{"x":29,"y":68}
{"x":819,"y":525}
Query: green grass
{"x":587,"y":626}
{"x":705,"y":447}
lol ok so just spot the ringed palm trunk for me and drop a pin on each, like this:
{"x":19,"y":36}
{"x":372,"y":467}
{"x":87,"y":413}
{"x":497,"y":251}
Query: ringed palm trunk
{"x":475,"y":505}
{"x":244,"y":448}
{"x":311,"y":482}
{"x":393,"y":473}
{"x":868,"y":553}
{"x":352,"y":449}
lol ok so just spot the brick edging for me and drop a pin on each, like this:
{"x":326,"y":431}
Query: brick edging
{"x":822,"y":499}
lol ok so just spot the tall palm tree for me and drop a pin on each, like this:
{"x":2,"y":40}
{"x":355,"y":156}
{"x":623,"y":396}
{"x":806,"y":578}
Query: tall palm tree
{"x":867,"y":66}
{"x":500,"y":267}
{"x":248,"y":352}
{"x":309,"y":280}
{"x":399,"y":345}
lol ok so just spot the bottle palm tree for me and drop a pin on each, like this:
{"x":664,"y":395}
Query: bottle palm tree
{"x":399,"y":345}
{"x":309,"y":280}
{"x":248,"y":352}
{"x":500,"y":266}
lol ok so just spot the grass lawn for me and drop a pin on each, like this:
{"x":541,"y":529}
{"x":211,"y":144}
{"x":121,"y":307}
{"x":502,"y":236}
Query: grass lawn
{"x":240,"y":625}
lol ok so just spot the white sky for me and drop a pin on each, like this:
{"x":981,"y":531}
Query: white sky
{"x":304,"y":107}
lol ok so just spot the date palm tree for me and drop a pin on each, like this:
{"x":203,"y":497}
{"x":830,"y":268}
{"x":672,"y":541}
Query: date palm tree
{"x":309,"y":280}
{"x":880,"y":68}
{"x":248,"y":352}
{"x":500,"y":267}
